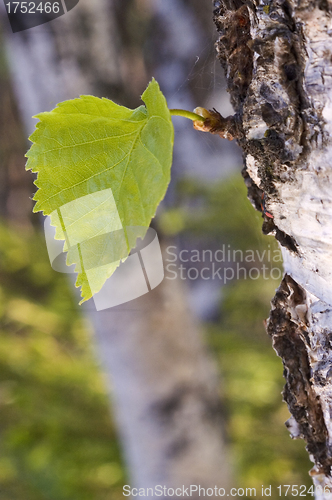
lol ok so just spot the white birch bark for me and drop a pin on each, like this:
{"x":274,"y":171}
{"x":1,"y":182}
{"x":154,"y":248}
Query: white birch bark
{"x":277,"y":57}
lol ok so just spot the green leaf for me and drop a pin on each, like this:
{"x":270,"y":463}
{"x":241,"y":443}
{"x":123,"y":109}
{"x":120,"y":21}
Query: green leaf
{"x":102,"y":171}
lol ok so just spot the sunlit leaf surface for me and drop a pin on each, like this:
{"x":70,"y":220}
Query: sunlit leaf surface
{"x":102,"y":171}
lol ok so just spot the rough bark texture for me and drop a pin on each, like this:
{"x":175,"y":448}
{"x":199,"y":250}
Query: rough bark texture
{"x":277,"y":56}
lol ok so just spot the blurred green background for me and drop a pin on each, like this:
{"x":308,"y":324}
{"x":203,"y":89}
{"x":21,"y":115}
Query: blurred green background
{"x":57,"y":438}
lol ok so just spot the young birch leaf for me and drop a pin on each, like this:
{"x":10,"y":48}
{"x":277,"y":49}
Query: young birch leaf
{"x":102,"y":171}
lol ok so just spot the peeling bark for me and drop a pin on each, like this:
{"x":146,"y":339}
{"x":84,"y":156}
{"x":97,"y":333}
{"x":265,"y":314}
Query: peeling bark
{"x":277,"y":57}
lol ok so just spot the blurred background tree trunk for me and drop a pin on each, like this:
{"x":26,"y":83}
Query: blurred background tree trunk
{"x":168,"y":407}
{"x":277,"y":57}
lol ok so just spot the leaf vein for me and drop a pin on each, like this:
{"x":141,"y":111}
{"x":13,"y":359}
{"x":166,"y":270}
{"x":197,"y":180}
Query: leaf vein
{"x":88,"y":142}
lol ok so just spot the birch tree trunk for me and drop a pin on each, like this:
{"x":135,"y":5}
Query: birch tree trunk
{"x":165,"y":385}
{"x":277,"y":55}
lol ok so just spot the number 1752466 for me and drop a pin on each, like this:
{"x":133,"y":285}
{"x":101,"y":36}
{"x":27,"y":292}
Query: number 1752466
{"x":33,"y":7}
{"x":302,"y":490}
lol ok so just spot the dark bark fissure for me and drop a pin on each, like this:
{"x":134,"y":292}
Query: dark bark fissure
{"x":236,"y":51}
{"x":290,"y":338}
{"x":263,"y":49}
{"x":285,"y":112}
{"x":169,"y":411}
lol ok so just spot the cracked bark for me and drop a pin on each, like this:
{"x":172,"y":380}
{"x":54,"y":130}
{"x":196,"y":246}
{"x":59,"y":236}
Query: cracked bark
{"x":277,"y":56}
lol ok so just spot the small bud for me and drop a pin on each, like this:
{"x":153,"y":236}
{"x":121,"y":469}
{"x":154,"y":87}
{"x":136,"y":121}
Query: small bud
{"x":216,"y":124}
{"x":202,"y":112}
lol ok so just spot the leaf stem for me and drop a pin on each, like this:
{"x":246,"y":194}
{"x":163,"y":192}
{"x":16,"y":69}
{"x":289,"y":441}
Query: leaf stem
{"x":187,"y":114}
